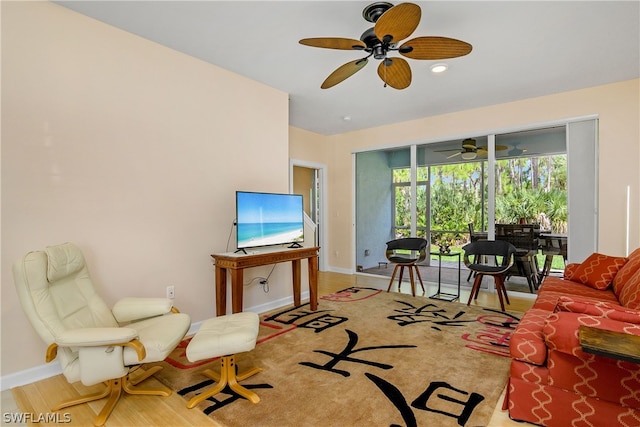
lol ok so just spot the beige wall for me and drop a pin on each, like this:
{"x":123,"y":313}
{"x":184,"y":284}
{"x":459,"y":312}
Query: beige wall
{"x":131,"y":150}
{"x":616,"y":105}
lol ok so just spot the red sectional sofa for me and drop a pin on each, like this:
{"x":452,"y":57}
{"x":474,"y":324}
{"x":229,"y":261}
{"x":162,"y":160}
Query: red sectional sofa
{"x":552,"y":382}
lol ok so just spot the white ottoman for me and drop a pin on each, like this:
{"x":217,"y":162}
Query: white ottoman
{"x":225,"y":336}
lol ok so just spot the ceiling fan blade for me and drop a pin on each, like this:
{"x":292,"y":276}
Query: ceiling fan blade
{"x":343,"y":72}
{"x":398,"y":23}
{"x":395,"y":72}
{"x":444,"y":151}
{"x":498,"y":148}
{"x":453,"y":155}
{"x":431,"y":47}
{"x":334,"y":43}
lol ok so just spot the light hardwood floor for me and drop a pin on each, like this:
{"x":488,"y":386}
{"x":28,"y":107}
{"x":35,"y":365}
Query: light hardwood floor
{"x":39,"y":397}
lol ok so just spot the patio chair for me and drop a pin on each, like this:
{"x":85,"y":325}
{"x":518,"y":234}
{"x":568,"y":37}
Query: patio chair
{"x":407,"y":252}
{"x":477,"y":251}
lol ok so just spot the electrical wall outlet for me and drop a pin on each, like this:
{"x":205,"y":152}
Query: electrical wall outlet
{"x":171,"y":292}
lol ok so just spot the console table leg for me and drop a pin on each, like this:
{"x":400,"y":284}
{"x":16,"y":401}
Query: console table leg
{"x":236,"y":290}
{"x":221,"y":291}
{"x":295,"y":271}
{"x":313,"y":282}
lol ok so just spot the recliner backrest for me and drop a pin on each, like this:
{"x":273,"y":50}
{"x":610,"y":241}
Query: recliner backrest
{"x":57,"y":294}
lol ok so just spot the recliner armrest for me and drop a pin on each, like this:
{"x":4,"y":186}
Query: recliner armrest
{"x":92,"y":337}
{"x":130,"y":309}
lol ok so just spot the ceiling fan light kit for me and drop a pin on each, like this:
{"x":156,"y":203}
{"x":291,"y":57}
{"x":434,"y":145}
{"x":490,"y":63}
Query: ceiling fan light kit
{"x":392,"y":25}
{"x":468,"y":154}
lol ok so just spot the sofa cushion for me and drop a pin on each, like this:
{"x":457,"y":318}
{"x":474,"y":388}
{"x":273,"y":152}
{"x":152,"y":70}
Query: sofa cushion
{"x":598,"y":270}
{"x":628,"y":270}
{"x":598,"y":309}
{"x":630,"y":294}
{"x":556,"y":286}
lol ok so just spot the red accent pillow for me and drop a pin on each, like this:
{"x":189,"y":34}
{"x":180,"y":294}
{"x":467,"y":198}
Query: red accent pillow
{"x":569,"y":270}
{"x":630,"y":293}
{"x":627,"y":271}
{"x":598,"y":270}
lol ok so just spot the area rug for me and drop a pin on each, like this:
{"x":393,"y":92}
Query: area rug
{"x":364,"y":358}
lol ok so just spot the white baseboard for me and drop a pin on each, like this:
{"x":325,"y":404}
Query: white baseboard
{"x":30,"y":375}
{"x":272,"y":305}
{"x":340,"y":270}
{"x":52,"y":369}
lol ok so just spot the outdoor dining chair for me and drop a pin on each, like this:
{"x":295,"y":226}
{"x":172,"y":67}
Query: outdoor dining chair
{"x":407,"y":252}
{"x":503,"y":252}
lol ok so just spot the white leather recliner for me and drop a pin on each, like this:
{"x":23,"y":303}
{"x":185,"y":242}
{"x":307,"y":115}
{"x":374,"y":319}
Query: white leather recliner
{"x":92,"y":343}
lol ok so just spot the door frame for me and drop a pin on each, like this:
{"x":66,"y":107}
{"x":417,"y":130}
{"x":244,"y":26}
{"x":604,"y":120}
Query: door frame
{"x":322,"y":202}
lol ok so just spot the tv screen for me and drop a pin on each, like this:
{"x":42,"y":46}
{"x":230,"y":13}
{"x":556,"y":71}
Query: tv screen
{"x":265,"y":219}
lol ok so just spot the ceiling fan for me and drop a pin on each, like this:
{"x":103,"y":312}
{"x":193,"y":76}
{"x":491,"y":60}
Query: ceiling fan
{"x":470,"y":150}
{"x":392,"y":25}
{"x":516,"y":151}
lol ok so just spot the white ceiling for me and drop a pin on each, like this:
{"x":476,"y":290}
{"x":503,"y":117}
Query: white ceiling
{"x":521,"y":49}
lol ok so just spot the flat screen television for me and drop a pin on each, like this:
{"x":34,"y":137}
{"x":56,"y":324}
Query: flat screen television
{"x":265,"y":219}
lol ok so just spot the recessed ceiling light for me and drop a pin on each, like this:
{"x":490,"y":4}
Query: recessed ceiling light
{"x":347,"y":118}
{"x":439,"y":68}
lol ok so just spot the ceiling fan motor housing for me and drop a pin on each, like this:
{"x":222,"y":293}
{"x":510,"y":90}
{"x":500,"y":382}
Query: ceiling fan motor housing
{"x":469,"y":144}
{"x":369,"y":38}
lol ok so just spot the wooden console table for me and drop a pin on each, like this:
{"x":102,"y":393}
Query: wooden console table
{"x":237,"y":262}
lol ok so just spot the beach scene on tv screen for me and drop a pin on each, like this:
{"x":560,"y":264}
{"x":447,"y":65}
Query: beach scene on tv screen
{"x":269,"y":219}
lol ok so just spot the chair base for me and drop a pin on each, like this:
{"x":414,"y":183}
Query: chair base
{"x":114,"y":390}
{"x":411,"y":279}
{"x":500,"y":288}
{"x":226,"y":377}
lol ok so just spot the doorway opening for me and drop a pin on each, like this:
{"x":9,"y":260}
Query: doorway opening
{"x":308,"y":179}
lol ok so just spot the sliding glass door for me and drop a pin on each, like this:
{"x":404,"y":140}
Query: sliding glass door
{"x":440,"y":190}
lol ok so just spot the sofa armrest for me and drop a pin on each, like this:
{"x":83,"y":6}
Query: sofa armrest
{"x":609,"y":310}
{"x":561,"y":331}
{"x":130,"y":309}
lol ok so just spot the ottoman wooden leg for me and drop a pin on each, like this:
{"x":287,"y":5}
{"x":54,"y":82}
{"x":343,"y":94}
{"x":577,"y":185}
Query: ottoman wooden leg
{"x":227,"y":376}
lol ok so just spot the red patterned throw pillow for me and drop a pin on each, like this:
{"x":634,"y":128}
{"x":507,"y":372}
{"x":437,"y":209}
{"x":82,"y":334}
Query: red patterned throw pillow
{"x":598,"y":270}
{"x":630,"y":294}
{"x":626,"y":272}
